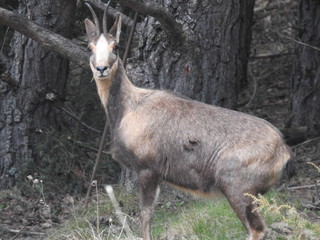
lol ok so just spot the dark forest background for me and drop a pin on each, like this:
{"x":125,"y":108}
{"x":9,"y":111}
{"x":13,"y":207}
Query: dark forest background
{"x":261,"y":57}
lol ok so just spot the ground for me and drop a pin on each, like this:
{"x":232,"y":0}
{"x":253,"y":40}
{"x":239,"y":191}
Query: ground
{"x":266,"y":94}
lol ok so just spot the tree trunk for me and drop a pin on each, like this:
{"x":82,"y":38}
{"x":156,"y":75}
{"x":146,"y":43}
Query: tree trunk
{"x":211,"y":63}
{"x":39,"y":77}
{"x":305,"y":107}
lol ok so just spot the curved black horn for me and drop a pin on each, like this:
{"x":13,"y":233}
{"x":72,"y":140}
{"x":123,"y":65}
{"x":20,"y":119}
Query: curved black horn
{"x":95,"y":18}
{"x":104,"y":20}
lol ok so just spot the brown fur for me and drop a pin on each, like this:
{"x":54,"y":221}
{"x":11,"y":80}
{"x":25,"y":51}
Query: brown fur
{"x":193,"y":146}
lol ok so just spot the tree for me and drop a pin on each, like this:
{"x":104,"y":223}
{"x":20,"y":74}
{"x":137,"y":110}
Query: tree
{"x":38,"y":77}
{"x":305,"y":107}
{"x":203,"y":55}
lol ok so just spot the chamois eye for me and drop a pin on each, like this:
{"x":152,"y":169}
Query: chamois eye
{"x":115,"y":49}
{"x":92,"y":47}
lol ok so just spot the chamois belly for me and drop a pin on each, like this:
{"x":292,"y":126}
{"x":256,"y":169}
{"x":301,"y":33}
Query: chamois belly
{"x":187,"y":168}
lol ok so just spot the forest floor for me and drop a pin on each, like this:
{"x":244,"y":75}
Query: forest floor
{"x":267,"y":95}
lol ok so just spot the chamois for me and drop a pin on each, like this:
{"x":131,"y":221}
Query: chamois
{"x":194,"y":146}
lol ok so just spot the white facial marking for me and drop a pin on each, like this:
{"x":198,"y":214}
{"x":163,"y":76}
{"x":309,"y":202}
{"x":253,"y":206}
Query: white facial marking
{"x":102,"y":51}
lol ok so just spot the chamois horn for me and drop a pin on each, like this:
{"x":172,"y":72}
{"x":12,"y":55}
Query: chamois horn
{"x":95,"y":18}
{"x":104,"y":20}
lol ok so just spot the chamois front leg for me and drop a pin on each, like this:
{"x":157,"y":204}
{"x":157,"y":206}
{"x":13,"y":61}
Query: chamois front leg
{"x":149,"y":191}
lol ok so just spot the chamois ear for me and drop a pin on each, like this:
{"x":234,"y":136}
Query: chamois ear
{"x":91,"y":30}
{"x":116,"y":28}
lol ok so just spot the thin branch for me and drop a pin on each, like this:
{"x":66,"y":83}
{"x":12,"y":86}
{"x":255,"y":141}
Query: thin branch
{"x":305,"y":142}
{"x":4,"y":39}
{"x":72,"y":114}
{"x":155,"y":10}
{"x":3,"y":228}
{"x":96,"y":164}
{"x":111,"y":11}
{"x":270,"y":55}
{"x":120,"y":215}
{"x":302,"y":187}
{"x":254,"y":86}
{"x":92,"y":149}
{"x":294,"y":40}
{"x":48,"y":39}
{"x":126,"y":53}
{"x":18,"y":233}
{"x":311,"y":206}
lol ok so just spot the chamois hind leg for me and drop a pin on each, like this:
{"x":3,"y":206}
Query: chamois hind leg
{"x":149,"y":190}
{"x":243,"y":207}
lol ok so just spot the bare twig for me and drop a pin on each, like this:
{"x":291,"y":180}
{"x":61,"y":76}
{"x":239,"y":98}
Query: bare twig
{"x":311,"y":206}
{"x":79,"y":119}
{"x":294,"y":40}
{"x":18,"y":233}
{"x":273,"y":6}
{"x":254,"y":87}
{"x":270,"y":55}
{"x":305,"y":142}
{"x":101,"y":145}
{"x":126,"y":53}
{"x":120,"y":215}
{"x":317,"y":192}
{"x":4,"y":39}
{"x":316,"y":167}
{"x":83,"y":145}
{"x":303,"y":187}
{"x":3,"y":228}
{"x":25,"y":203}
{"x":266,"y":74}
{"x":111,"y":12}
{"x":155,"y":10}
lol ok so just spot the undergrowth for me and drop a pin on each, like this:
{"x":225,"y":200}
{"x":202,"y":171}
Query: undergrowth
{"x":276,"y":210}
{"x":200,"y":220}
{"x":196,"y":220}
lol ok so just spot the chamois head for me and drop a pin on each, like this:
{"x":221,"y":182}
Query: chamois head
{"x":104,"y":58}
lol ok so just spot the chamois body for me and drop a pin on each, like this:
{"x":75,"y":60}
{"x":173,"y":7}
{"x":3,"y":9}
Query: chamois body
{"x":191,"y":144}
{"x":194,"y":146}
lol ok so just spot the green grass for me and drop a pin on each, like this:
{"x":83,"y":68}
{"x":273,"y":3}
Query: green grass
{"x":84,"y":227}
{"x":200,"y":220}
{"x":194,"y":220}
{"x":275,"y":208}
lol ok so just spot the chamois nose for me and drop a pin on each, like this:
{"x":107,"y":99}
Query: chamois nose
{"x":101,"y":69}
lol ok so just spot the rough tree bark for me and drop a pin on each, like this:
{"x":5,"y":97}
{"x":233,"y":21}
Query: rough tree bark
{"x":40,"y":78}
{"x":209,"y":64}
{"x":305,"y":107}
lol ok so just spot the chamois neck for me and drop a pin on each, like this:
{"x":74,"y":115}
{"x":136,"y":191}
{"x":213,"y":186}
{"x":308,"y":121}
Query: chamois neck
{"x":117,"y":77}
{"x":103,"y":85}
{"x":123,"y":96}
